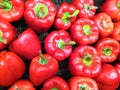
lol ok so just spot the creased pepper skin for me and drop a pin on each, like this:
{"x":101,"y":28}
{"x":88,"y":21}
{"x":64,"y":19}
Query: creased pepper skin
{"x":40,"y":14}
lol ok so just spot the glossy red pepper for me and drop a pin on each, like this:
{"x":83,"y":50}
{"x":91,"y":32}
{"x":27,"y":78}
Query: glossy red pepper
{"x":12,"y":68}
{"x":86,"y":7}
{"x":58,"y":44}
{"x":11,"y":10}
{"x":84,"y":61}
{"x":116,"y":31}
{"x":27,"y":44}
{"x":66,"y":15}
{"x":84,"y":31}
{"x":42,"y":68}
{"x":82,"y":83}
{"x":117,"y":67}
{"x":108,"y":78}
{"x":22,"y":84}
{"x":112,"y":8}
{"x":7,"y":33}
{"x":108,"y":49}
{"x":55,"y":83}
{"x":104,"y":23}
{"x":40,"y":14}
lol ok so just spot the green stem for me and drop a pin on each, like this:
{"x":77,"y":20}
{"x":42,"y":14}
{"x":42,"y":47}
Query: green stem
{"x":54,"y":89}
{"x":87,"y":7}
{"x":87,"y":59}
{"x":2,"y":40}
{"x":41,"y":10}
{"x":105,"y":24}
{"x":84,"y":87}
{"x":107,"y":51}
{"x":61,"y":44}
{"x":118,"y":4}
{"x":6,"y":5}
{"x":66,"y":17}
{"x":42,"y":60}
{"x":86,"y":29}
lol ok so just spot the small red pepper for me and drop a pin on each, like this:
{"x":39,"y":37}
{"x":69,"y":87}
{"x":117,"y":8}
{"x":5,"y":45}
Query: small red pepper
{"x":66,"y":15}
{"x":108,"y":79}
{"x":22,"y":84}
{"x":12,"y":68}
{"x":40,"y":14}
{"x":58,"y":44}
{"x":42,"y":68}
{"x":86,"y":7}
{"x":11,"y":10}
{"x":111,"y":8}
{"x":82,"y":83}
{"x":108,"y":49}
{"x":7,"y":33}
{"x":84,"y":61}
{"x":55,"y":83}
{"x":27,"y":44}
{"x":84,"y":31}
{"x":104,"y":23}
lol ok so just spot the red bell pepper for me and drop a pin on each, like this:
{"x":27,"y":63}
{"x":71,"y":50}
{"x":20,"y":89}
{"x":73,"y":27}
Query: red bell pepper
{"x":58,"y":44}
{"x":12,"y":68}
{"x":117,"y":67}
{"x":108,"y":78}
{"x":27,"y":45}
{"x":55,"y":83}
{"x":84,"y":61}
{"x":104,"y":23}
{"x":11,"y":10}
{"x":84,"y":31}
{"x":40,"y":14}
{"x":7,"y":33}
{"x":82,"y":83}
{"x":42,"y":68}
{"x":66,"y":15}
{"x":22,"y":85}
{"x":112,"y":8}
{"x":116,"y":31}
{"x":108,"y":49}
{"x":86,"y":7}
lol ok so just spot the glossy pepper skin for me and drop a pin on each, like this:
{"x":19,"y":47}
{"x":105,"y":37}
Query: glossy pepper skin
{"x":7,"y":33}
{"x":84,"y":61}
{"x":58,"y":44}
{"x":27,"y":44}
{"x":66,"y":15}
{"x":112,"y":8}
{"x":22,"y":84}
{"x":82,"y":83}
{"x":12,"y":68}
{"x":86,"y":7}
{"x":42,"y":68}
{"x":40,"y":14}
{"x":108,"y":49}
{"x":55,"y":83}
{"x":104,"y":23}
{"x":108,"y":78}
{"x":84,"y":31}
{"x":11,"y":10}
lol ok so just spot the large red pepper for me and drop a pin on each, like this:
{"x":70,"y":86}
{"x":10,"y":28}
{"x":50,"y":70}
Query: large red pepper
{"x":11,"y":68}
{"x":22,"y":84}
{"x":84,"y":61}
{"x":82,"y":83}
{"x":66,"y":15}
{"x":104,"y":23}
{"x":84,"y":31}
{"x":42,"y":68}
{"x":108,"y":79}
{"x":7,"y":33}
{"x":59,"y":44}
{"x":55,"y":83}
{"x":11,"y":10}
{"x":108,"y":49}
{"x":27,"y":45}
{"x":40,"y":14}
{"x":86,"y":7}
{"x":112,"y":8}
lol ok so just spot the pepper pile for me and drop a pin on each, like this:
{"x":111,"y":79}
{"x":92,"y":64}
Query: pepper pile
{"x":79,"y":39}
